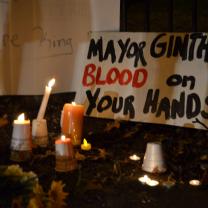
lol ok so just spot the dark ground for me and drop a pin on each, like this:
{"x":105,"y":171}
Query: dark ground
{"x":106,"y":177}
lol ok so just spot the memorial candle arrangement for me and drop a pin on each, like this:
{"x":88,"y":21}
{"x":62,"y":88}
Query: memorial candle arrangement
{"x":21,"y":144}
{"x":65,"y":159}
{"x":72,"y":121}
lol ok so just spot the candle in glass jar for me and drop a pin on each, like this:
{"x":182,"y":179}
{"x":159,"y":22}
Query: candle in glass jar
{"x":72,"y":121}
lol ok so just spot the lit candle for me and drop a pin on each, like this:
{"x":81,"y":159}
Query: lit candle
{"x":194,"y":182}
{"x":134,"y":157}
{"x":21,"y":131}
{"x":65,"y":160}
{"x":21,"y":120}
{"x":85,"y":146}
{"x":72,"y":121}
{"x":144,"y":179}
{"x":63,"y":147}
{"x":152,"y":182}
{"x":21,"y":138}
{"x":44,"y":103}
{"x":148,"y":181}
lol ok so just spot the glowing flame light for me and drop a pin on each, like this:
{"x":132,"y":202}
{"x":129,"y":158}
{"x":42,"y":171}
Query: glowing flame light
{"x":63,"y":138}
{"x":85,"y":142}
{"x":51,"y":82}
{"x":194,"y":182}
{"x":134,"y":157}
{"x":148,"y":181}
{"x":21,"y":117}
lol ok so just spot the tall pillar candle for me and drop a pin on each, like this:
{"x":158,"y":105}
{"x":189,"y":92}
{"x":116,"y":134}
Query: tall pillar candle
{"x":72,"y":121}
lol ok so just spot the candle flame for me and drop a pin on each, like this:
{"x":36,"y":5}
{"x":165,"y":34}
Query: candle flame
{"x":21,"y":117}
{"x":85,"y":142}
{"x":51,"y":82}
{"x":73,"y":103}
{"x":63,"y":138}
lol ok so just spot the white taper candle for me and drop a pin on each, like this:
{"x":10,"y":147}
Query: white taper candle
{"x":44,"y":103}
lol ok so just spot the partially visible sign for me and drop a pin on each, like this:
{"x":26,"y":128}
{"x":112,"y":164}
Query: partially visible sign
{"x":147,"y":77}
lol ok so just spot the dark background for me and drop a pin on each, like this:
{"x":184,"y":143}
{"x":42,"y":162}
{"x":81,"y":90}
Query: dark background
{"x":163,"y":13}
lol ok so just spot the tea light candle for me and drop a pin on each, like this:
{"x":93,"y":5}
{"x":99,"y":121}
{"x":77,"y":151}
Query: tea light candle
{"x":85,"y":146}
{"x":134,"y":157}
{"x":72,"y":121}
{"x":144,"y":179}
{"x":148,"y":181}
{"x":152,"y":183}
{"x":194,"y":182}
{"x":44,"y":102}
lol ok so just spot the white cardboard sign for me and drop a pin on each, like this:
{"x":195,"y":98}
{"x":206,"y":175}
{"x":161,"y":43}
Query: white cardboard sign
{"x":148,"y":77}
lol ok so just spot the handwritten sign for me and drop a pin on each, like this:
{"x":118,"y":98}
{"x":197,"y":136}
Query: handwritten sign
{"x":44,"y":39}
{"x":147,"y":77}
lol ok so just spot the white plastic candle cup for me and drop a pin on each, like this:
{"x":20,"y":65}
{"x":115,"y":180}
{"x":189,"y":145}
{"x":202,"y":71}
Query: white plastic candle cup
{"x":21,"y":136}
{"x":153,"y":159}
{"x":40,"y":132}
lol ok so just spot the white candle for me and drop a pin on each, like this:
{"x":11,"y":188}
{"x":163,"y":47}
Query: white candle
{"x":21,"y":136}
{"x":194,"y":182}
{"x":134,"y":157}
{"x":44,"y":103}
{"x":144,"y":179}
{"x":152,"y":183}
{"x":148,"y":181}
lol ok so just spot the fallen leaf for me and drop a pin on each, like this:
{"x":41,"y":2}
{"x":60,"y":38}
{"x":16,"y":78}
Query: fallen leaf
{"x":3,"y":122}
{"x":110,"y":126}
{"x":94,"y":185}
{"x":79,"y":156}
